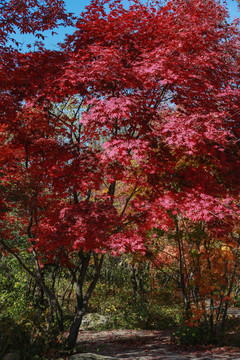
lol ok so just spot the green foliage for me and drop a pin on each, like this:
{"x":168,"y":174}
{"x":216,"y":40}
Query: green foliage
{"x":13,"y":289}
{"x":13,"y":337}
{"x":147,"y":311}
{"x":146,"y":315}
{"x":28,"y":341}
{"x":187,"y":335}
{"x":193,"y":335}
{"x":237,"y":301}
{"x":23,"y":320}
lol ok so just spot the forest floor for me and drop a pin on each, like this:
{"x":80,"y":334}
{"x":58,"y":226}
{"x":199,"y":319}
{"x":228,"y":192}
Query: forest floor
{"x":148,"y":345}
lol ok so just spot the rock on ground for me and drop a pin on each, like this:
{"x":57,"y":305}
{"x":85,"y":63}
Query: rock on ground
{"x":89,"y":356}
{"x":12,"y":356}
{"x":92,"y":320}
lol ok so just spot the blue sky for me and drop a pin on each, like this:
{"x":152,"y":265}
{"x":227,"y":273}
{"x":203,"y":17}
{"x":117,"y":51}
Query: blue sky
{"x":76,"y":7}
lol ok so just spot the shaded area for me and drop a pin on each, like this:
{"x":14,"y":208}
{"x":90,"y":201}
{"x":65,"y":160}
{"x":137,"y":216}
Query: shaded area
{"x":144,"y":345}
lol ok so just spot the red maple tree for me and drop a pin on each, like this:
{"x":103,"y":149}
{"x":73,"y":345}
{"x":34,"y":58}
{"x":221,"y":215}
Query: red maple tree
{"x":144,"y":99}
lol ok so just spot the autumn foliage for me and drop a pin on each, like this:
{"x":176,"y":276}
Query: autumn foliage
{"x":131,"y":126}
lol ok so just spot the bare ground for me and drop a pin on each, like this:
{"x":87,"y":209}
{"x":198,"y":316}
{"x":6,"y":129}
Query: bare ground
{"x":147,"y":345}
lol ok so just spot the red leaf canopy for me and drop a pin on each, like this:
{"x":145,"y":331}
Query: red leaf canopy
{"x":135,"y":120}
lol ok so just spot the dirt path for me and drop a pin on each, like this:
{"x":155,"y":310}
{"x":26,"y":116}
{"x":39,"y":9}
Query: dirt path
{"x":147,"y":345}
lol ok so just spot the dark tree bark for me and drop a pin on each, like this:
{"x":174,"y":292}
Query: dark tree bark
{"x":82,"y":300}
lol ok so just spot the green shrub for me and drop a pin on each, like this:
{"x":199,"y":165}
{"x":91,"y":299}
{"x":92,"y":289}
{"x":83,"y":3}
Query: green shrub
{"x":13,"y":337}
{"x":191,"y":335}
{"x":26,"y":340}
{"x":147,"y":311}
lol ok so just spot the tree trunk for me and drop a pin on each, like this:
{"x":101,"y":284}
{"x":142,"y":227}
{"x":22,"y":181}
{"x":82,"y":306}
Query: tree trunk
{"x":134,"y":282}
{"x":82,"y":300}
{"x":73,"y":334}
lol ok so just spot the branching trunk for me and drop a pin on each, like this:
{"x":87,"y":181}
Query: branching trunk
{"x":82,"y":300}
